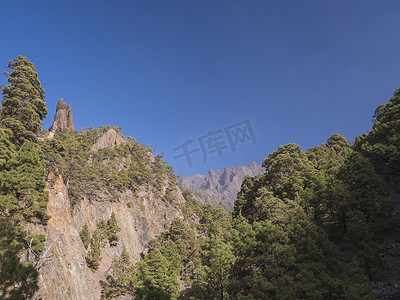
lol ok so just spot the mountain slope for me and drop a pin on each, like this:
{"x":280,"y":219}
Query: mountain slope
{"x":141,"y":217}
{"x":90,"y":176}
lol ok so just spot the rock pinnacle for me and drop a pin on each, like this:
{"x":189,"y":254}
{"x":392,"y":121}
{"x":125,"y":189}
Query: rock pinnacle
{"x":63,"y":120}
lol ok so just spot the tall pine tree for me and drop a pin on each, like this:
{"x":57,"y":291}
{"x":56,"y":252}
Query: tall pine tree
{"x":23,"y":197}
{"x":23,"y":106}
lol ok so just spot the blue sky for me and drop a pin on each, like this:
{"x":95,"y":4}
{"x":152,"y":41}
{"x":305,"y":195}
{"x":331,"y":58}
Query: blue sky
{"x":173,"y":71}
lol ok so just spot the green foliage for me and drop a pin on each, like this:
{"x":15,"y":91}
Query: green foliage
{"x":121,"y":281}
{"x":279,"y":256}
{"x":365,"y":250}
{"x":156,"y":276}
{"x":37,"y":242}
{"x":367,"y":195}
{"x":185,"y":240}
{"x":85,"y":236}
{"x":382,"y":144}
{"x":213,"y":275}
{"x":7,"y":149}
{"x":23,"y":197}
{"x":102,"y":231}
{"x":111,"y":170}
{"x":190,"y":208}
{"x":23,"y":106}
{"x":18,"y":279}
{"x":112,"y":230}
{"x":295,"y":214}
{"x":93,"y":257}
{"x":19,"y":134}
{"x":106,"y":230}
{"x":356,"y":285}
{"x":214,"y":221}
{"x":171,"y":252}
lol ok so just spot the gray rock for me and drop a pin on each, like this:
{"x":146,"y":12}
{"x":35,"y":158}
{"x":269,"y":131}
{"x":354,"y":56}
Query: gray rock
{"x":63,"y":119}
{"x":220,"y":185}
{"x":141,"y":216}
{"x":108,"y":140}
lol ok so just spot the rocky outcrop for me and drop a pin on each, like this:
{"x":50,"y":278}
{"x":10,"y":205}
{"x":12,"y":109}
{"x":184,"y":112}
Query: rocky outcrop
{"x":109,"y":139}
{"x":141,"y":216}
{"x":66,"y":274}
{"x":220,"y":185}
{"x":63,"y":119}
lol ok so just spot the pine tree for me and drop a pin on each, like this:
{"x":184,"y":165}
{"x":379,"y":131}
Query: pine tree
{"x":184,"y":239}
{"x":18,"y":279}
{"x":382,"y":145}
{"x":282,"y":216}
{"x":85,"y":236}
{"x":23,"y":99}
{"x":93,"y":256}
{"x":156,"y":278}
{"x":213,"y":277}
{"x":170,"y":252}
{"x":7,"y":149}
{"x":121,"y":282}
{"x":367,"y":193}
{"x":23,"y":197}
{"x":112,"y":230}
{"x":102,"y":232}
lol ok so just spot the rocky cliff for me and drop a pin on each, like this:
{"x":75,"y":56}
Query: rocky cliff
{"x":109,"y":140}
{"x":63,"y":119}
{"x":141,"y":212}
{"x":220,"y":185}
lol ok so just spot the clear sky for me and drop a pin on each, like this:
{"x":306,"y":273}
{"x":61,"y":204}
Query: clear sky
{"x":175,"y":72}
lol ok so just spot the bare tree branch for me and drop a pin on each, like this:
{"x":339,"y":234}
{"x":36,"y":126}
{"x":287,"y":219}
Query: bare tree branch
{"x":39,"y":260}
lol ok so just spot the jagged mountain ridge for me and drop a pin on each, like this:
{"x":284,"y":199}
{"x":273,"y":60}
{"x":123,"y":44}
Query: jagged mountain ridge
{"x":220,"y":185}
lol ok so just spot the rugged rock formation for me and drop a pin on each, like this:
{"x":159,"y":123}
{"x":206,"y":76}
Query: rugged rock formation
{"x":67,"y":273}
{"x":220,"y":185}
{"x":141,"y":213}
{"x":110,"y":139}
{"x":141,"y":216}
{"x":63,"y":119}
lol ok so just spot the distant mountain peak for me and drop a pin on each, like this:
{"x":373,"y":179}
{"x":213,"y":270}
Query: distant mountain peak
{"x":220,"y":185}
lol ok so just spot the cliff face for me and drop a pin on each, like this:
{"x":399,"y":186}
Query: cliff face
{"x":63,"y":119}
{"x":66,"y":275}
{"x":110,"y":139}
{"x":220,"y":185}
{"x":141,"y":215}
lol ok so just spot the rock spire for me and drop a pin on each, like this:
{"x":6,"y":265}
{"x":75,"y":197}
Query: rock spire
{"x":63,"y":119}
